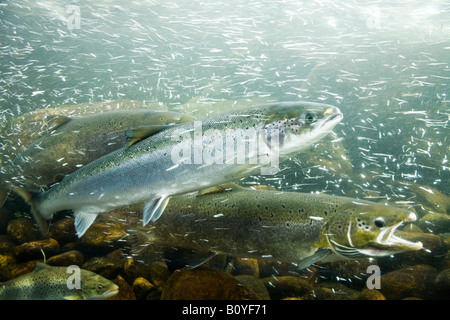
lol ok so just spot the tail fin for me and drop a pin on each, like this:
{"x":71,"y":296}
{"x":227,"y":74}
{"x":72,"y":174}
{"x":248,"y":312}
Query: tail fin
{"x":29,"y":198}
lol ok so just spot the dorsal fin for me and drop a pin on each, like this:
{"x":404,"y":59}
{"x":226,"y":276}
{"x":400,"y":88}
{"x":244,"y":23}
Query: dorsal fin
{"x":40,"y":266}
{"x":56,"y":121}
{"x":140,"y":133}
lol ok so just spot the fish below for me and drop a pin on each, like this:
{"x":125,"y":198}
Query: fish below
{"x":75,"y":142}
{"x":55,"y":283}
{"x":288,"y":226}
{"x":163,"y":165}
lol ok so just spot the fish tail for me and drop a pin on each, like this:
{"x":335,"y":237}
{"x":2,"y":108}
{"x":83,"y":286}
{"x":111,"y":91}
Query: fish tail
{"x":29,"y":198}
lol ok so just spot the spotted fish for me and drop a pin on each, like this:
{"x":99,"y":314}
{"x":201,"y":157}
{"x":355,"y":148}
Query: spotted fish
{"x":54,"y":283}
{"x":289,"y":226}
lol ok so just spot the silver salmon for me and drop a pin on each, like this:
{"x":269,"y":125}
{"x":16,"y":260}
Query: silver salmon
{"x":76,"y":142}
{"x":189,"y":157}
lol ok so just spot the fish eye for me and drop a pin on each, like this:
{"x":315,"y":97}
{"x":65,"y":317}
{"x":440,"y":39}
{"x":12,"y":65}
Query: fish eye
{"x":310,"y":118}
{"x":379,"y":222}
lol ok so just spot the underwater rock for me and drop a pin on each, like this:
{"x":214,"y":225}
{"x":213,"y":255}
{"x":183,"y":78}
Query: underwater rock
{"x":371,"y":294}
{"x":134,"y":269}
{"x":63,"y":230}
{"x":23,"y":230}
{"x":103,"y":237}
{"x":240,"y":266}
{"x":354,"y":272}
{"x":286,"y":286}
{"x":159,"y":273}
{"x":125,"y":291}
{"x":331,"y":291}
{"x":416,"y":281}
{"x":24,"y":268}
{"x":204,"y":284}
{"x":5,"y":216}
{"x":255,"y":285}
{"x":435,"y":222}
{"x":6,"y":245}
{"x":39,"y":249}
{"x":443,"y":284}
{"x":145,"y":290}
{"x":105,"y":266}
{"x":73,"y":257}
{"x":269,"y":267}
{"x":7,"y":265}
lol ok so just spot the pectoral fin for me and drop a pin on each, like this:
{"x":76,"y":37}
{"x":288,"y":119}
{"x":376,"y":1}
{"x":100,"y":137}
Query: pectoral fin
{"x":317,"y":256}
{"x":83,"y":221}
{"x":154,"y":209}
{"x":201,"y":260}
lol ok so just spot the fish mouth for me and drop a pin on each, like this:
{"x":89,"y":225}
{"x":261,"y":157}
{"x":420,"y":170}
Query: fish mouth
{"x":388,"y":243}
{"x":298,"y":142}
{"x":109,"y":293}
{"x":334,"y":117}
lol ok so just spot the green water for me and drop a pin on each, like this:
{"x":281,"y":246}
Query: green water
{"x":385,"y":65}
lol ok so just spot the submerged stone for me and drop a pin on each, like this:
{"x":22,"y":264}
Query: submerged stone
{"x":144,"y":289}
{"x":443,"y":284}
{"x":255,"y":285}
{"x":416,"y":281}
{"x":371,"y":294}
{"x":23,"y":230}
{"x":103,"y":237}
{"x":40,"y":249}
{"x":286,"y":286}
{"x":73,"y":257}
{"x":125,"y":290}
{"x":331,"y":291}
{"x":204,"y":284}
{"x":7,"y":265}
{"x":63,"y":230}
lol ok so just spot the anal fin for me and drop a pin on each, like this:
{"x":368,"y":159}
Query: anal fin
{"x":83,"y":221}
{"x":154,"y":209}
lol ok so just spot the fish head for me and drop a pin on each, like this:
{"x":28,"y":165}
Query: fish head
{"x":294,"y":126}
{"x":96,"y":287}
{"x":365,"y":229}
